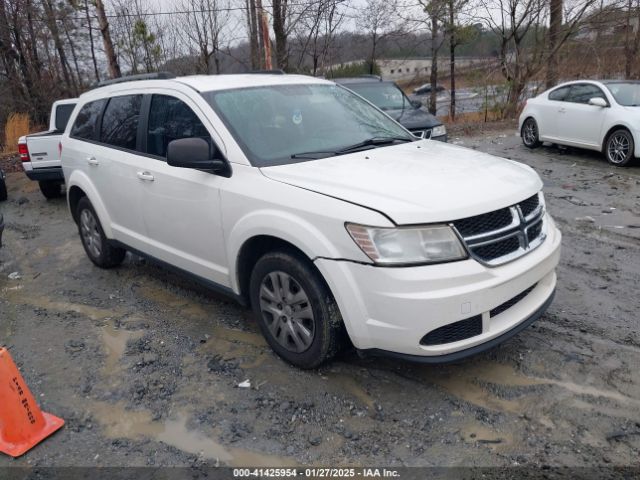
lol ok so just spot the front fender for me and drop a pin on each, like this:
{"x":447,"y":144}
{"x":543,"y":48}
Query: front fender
{"x":283,"y":225}
{"x":79,"y":179}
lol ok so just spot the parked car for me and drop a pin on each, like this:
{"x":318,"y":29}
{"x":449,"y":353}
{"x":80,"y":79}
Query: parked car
{"x":602,"y":116}
{"x":390,"y":98}
{"x":298,"y":197}
{"x":426,"y":89}
{"x":40,"y":154}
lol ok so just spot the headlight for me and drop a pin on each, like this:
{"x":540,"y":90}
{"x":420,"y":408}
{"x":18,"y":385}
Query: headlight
{"x":438,"y":131}
{"x":407,"y":245}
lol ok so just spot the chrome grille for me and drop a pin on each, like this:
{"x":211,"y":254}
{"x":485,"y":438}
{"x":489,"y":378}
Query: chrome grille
{"x":426,"y":134}
{"x":503,"y":235}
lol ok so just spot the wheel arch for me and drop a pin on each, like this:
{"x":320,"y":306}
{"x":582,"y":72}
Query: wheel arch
{"x":78,"y":186}
{"x":617,"y":126}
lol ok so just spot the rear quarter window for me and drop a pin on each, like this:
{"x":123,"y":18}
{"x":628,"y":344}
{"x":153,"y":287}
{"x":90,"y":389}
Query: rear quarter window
{"x":85,"y":126}
{"x":559,"y":94}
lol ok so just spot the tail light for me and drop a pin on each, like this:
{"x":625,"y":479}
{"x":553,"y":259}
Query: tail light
{"x":59,"y":149}
{"x":23,"y":150}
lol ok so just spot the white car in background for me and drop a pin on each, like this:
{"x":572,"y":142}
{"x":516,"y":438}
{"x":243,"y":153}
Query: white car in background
{"x":602,"y":116}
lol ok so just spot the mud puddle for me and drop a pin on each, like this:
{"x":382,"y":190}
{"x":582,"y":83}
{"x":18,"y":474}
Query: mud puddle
{"x":119,"y":422}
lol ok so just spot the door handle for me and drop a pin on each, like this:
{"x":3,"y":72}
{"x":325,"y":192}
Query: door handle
{"x":93,"y":161}
{"x":562,"y":110}
{"x":146,"y":176}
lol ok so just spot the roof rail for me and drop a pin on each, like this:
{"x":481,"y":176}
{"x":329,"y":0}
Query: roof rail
{"x":275,"y":71}
{"x":134,"y":78}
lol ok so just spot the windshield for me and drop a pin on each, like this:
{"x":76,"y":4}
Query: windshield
{"x":275,"y":124}
{"x":382,"y":95}
{"x":626,"y":94}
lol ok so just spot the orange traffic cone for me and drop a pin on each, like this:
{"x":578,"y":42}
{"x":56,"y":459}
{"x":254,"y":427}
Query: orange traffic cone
{"x":22,"y":424}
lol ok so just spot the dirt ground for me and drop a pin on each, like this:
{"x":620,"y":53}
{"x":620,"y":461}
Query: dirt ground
{"x":144,"y":365}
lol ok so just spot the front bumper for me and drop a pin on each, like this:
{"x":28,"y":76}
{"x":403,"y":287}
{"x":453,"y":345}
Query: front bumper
{"x":392,"y":309}
{"x":441,"y":138}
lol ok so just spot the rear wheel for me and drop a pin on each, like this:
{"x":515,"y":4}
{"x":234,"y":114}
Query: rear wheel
{"x":51,"y":188}
{"x":619,"y":148}
{"x":95,"y":243}
{"x":529,"y":133}
{"x":295,"y":310}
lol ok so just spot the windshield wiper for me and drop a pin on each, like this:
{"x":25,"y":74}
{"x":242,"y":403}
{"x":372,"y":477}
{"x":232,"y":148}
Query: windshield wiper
{"x":364,"y":145}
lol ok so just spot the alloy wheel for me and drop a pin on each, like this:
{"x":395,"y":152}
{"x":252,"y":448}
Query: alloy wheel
{"x":618,"y":148}
{"x":287,"y":311}
{"x":530,"y":133}
{"x":90,"y":233}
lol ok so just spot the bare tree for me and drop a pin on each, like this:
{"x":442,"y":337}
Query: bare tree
{"x":555,"y":25}
{"x":631,"y":40}
{"x":521,"y":27}
{"x":378,"y":20}
{"x":112,"y":59}
{"x":203,"y":25}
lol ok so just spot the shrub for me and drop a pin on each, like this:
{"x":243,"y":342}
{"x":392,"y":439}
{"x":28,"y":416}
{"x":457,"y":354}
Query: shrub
{"x":17,"y":125}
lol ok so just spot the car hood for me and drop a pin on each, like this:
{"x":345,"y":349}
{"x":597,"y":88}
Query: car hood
{"x":411,"y":118}
{"x":417,"y":182}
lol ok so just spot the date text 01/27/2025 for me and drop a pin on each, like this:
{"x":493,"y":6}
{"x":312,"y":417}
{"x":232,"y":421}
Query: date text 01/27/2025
{"x":336,"y":473}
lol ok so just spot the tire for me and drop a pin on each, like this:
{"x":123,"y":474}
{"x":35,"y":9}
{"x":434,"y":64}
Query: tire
{"x":619,"y":148}
{"x":529,"y":133}
{"x":95,"y":243}
{"x":51,"y":188}
{"x":305,"y":304}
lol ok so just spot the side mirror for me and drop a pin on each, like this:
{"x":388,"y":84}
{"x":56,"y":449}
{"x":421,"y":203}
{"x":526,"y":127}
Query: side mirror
{"x":598,"y":102}
{"x":416,"y":103}
{"x":193,"y":153}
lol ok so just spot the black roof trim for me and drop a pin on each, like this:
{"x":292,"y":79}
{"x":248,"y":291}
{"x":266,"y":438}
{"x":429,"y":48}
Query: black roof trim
{"x":135,"y":78}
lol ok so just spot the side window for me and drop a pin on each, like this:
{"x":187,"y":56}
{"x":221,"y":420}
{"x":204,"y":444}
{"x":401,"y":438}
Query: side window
{"x":86,"y":122}
{"x":171,"y":119}
{"x":583,"y":92}
{"x":63,"y":112}
{"x":120,"y":121}
{"x":559,"y":94}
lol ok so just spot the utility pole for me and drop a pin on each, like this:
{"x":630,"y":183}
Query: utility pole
{"x":264,"y":36}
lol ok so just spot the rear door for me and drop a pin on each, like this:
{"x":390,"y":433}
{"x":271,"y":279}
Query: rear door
{"x":580,"y":123}
{"x":181,"y":206}
{"x":113,"y":165}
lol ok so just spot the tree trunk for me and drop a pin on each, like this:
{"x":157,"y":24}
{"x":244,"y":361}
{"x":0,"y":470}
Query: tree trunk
{"x":280,"y":32}
{"x":91,"y":45}
{"x":112,"y":60}
{"x":452,"y":60}
{"x":53,"y":28}
{"x":434,"y":65}
{"x":252,"y":26}
{"x":555,"y":24}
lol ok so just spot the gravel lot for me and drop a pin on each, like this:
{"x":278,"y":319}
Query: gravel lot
{"x":145,"y":366}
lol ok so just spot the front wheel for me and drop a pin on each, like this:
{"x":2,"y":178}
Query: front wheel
{"x":529,"y":133}
{"x":295,"y":310}
{"x":51,"y":188}
{"x":619,"y":148}
{"x":94,"y":241}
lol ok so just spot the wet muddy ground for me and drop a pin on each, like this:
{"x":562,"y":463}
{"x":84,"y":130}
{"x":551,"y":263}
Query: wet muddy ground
{"x":144,"y":365}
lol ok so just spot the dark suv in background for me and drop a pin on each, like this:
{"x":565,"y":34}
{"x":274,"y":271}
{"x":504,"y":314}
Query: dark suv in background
{"x":388,"y":96}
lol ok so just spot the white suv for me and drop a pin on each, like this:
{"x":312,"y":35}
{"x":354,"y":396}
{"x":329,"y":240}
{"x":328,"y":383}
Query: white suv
{"x":301,"y":199}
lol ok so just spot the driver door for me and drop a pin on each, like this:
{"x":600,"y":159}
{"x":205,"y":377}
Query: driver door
{"x":579,"y":122}
{"x":181,"y":206}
